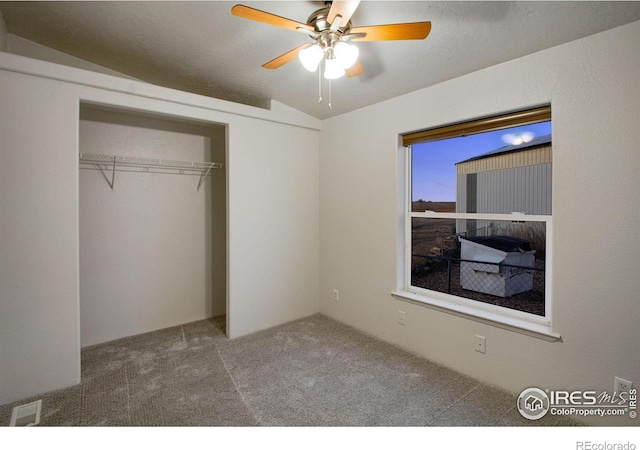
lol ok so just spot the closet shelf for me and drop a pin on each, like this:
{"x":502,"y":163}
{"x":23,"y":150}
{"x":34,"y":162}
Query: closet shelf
{"x":106,"y":162}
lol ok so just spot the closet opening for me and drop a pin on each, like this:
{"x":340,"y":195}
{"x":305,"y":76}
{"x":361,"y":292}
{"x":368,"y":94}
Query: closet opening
{"x":152,"y":223}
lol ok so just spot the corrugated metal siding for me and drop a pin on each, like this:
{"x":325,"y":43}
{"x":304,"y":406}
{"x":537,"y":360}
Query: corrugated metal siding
{"x":530,"y":157}
{"x":461,"y":193}
{"x":522,"y":189}
{"x":461,"y":201}
{"x":519,"y":189}
{"x":472,"y":192}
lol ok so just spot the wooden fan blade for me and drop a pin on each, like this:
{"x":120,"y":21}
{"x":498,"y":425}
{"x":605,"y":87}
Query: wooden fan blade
{"x":393,"y":32}
{"x":268,"y":18}
{"x":344,"y":8}
{"x":355,"y":70}
{"x":283,"y":59}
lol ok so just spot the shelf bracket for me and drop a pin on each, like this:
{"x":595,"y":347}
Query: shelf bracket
{"x":113,"y":172}
{"x":202,"y":177}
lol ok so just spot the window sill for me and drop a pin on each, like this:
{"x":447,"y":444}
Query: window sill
{"x":521,"y":326}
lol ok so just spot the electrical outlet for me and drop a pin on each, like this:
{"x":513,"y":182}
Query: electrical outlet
{"x":336,"y":295}
{"x":402,"y":317}
{"x":621,"y":385}
{"x":481,"y":344}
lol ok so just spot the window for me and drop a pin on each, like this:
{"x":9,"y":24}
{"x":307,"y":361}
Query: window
{"x":477,"y":219}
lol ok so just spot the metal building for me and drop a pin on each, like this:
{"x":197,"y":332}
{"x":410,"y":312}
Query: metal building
{"x":514,"y":178}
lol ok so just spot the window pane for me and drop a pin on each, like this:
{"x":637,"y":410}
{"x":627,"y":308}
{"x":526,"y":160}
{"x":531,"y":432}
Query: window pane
{"x":500,"y":262}
{"x":496,"y":172}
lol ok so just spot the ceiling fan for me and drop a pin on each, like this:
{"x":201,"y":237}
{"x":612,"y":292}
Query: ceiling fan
{"x":331,"y":31}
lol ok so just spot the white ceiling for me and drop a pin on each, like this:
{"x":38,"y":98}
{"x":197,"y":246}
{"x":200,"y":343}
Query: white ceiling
{"x":200,"y":47}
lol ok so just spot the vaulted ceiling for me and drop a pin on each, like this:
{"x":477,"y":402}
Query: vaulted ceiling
{"x":200,"y":47}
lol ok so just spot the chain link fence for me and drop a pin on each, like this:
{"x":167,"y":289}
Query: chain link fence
{"x":514,"y":286}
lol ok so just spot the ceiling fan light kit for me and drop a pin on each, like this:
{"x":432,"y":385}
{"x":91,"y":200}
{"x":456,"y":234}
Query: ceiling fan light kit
{"x":346,"y":54}
{"x":332,"y":69}
{"x":310,"y":57}
{"x":330,"y":28}
{"x":340,"y":56}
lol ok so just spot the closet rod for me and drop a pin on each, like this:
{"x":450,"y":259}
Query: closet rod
{"x":105,"y":162}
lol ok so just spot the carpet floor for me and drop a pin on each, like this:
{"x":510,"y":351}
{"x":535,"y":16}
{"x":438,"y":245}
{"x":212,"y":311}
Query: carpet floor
{"x":311,"y":372}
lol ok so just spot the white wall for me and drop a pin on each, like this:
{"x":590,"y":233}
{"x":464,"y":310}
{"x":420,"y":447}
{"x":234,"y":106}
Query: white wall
{"x":272,"y":169}
{"x":39,"y":334}
{"x":278,"y":227}
{"x":146,"y":247}
{"x":592,"y":87}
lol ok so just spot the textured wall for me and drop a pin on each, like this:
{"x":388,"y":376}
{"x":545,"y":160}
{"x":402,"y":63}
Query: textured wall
{"x":39,"y":334}
{"x":591,"y":85}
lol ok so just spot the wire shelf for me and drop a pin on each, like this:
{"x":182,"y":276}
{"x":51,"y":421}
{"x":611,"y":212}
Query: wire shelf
{"x":106,"y":162}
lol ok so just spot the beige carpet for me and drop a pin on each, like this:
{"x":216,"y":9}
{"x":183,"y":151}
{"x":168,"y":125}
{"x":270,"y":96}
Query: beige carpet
{"x":311,"y":372}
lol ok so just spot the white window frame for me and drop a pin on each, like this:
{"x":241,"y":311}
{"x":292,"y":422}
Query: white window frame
{"x":507,"y":318}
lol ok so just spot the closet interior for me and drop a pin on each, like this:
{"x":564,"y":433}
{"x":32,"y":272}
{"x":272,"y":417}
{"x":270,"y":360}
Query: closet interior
{"x":152,"y":219}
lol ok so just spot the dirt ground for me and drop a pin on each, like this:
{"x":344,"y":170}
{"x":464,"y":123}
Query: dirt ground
{"x":436,"y":278}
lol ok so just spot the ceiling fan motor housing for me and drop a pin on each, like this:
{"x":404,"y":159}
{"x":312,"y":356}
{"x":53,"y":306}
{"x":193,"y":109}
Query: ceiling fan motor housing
{"x":318,"y":20}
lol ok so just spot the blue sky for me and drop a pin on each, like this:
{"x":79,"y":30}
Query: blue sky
{"x":434,"y":170}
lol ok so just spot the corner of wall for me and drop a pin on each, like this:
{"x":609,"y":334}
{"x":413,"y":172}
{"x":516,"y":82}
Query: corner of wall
{"x":289,"y":113}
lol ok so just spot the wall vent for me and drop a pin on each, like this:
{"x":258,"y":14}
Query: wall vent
{"x":26,"y":415}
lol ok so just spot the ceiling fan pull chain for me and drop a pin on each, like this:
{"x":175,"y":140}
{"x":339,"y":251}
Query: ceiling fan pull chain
{"x":319,"y":84}
{"x":330,"y":95}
